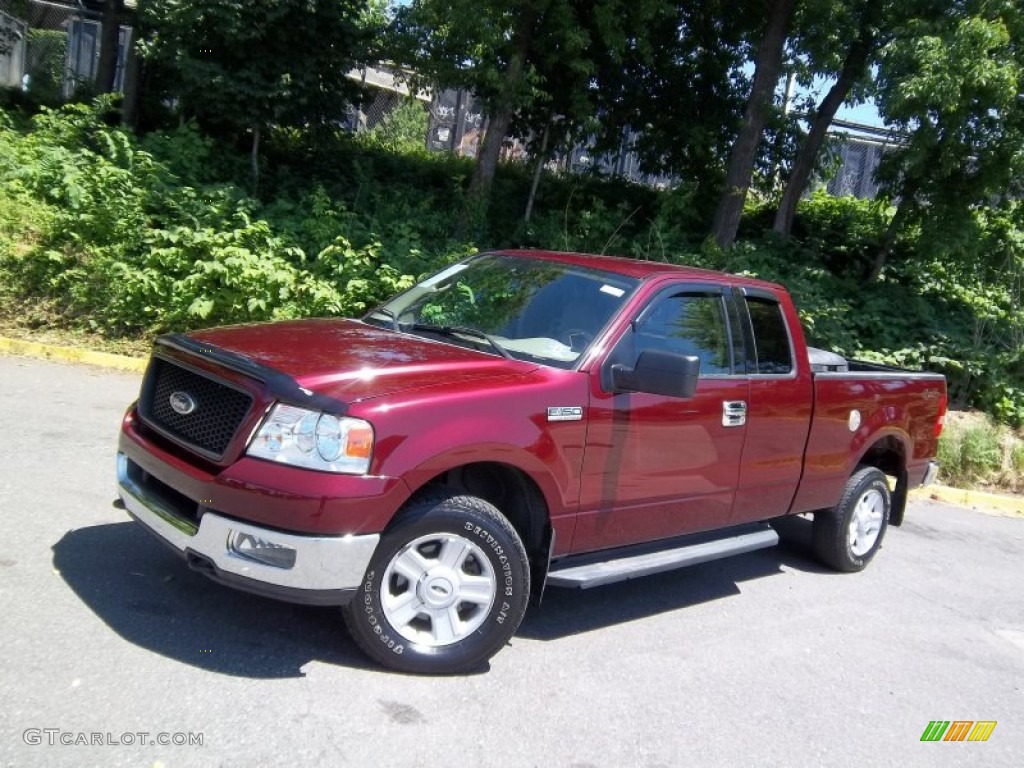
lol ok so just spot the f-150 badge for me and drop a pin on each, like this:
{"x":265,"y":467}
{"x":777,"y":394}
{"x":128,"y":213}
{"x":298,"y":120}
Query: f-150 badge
{"x":565,"y":413}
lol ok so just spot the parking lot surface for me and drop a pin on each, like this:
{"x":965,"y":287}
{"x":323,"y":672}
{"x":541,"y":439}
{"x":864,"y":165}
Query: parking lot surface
{"x":764,"y":659}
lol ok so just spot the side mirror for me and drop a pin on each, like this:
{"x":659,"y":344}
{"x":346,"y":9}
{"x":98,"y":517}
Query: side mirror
{"x":658,"y":373}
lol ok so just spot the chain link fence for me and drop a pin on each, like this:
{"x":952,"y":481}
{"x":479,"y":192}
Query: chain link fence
{"x":858,"y":150}
{"x":387,"y":91}
{"x":50,"y":50}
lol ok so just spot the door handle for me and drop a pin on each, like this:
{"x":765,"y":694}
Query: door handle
{"x":734,"y":413}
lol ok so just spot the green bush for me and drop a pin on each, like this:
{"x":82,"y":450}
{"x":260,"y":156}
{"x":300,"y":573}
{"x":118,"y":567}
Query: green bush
{"x":46,"y":51}
{"x":846,"y":232}
{"x":970,"y":455}
{"x":129,"y":249}
{"x":1017,"y":461}
{"x":403,"y":129}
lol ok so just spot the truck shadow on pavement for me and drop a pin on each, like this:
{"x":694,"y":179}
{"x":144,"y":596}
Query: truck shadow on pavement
{"x":566,"y":612}
{"x":148,"y":596}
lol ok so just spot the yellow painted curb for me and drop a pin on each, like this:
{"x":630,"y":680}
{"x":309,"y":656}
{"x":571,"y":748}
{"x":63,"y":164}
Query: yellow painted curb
{"x":992,"y":503}
{"x":72,"y":355}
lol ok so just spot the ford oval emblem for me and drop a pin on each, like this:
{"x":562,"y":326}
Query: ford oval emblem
{"x":182,"y":403}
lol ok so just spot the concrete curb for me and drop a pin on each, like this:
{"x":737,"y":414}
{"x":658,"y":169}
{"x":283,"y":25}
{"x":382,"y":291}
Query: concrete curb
{"x":72,"y":355}
{"x":990,"y":503}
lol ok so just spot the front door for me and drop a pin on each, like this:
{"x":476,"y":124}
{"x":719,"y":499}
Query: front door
{"x":658,"y":466}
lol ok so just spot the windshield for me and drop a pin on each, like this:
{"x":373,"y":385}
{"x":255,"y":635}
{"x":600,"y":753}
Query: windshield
{"x":511,"y":305}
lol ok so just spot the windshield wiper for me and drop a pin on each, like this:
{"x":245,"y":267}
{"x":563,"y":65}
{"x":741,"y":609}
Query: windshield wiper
{"x":388,"y":314}
{"x":454,"y":330}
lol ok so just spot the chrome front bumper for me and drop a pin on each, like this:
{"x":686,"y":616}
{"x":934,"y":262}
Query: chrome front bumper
{"x":324,"y":570}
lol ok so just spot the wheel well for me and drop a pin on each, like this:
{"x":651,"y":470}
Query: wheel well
{"x":889,"y":456}
{"x":512,"y":491}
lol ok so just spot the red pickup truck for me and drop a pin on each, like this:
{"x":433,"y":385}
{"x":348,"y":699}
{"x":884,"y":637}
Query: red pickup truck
{"x":519,"y":418}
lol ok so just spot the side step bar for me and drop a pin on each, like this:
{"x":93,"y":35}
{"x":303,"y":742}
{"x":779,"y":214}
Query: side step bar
{"x":675,"y":554}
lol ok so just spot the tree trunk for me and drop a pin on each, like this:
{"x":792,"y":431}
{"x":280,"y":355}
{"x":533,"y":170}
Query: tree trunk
{"x":853,"y":68}
{"x":744,"y":149}
{"x":489,"y":152}
{"x":106,"y":69}
{"x":895,"y":225}
{"x":908,"y":201}
{"x":498,"y":124}
{"x":542,"y":156}
{"x":132,"y":85}
{"x":254,"y":159}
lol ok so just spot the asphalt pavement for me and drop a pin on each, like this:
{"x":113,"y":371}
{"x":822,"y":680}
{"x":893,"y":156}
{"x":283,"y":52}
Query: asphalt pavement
{"x":114,"y":654}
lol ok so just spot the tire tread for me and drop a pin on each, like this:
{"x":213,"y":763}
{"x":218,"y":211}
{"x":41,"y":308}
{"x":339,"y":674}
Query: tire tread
{"x":416,"y":512}
{"x":830,"y":525}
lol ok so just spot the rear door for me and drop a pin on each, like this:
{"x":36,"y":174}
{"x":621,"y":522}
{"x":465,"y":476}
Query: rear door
{"x":778,"y":411}
{"x":658,"y":466}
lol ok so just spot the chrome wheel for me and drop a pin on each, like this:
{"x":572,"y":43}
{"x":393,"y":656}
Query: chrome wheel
{"x":438,"y":589}
{"x":866,"y":522}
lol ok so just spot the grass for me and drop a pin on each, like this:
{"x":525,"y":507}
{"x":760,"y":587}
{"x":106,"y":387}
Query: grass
{"x":976,"y":453}
{"x":41,"y":323}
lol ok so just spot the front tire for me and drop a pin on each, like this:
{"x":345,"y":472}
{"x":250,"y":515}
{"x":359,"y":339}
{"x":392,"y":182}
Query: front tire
{"x":445,"y":589}
{"x":847,"y":536}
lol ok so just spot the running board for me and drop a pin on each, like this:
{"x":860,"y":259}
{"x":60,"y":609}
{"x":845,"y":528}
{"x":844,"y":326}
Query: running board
{"x":596,"y":574}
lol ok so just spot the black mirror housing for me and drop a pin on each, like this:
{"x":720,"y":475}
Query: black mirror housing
{"x":658,"y":373}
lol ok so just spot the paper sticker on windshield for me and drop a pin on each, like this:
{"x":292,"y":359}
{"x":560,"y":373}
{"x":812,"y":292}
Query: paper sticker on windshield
{"x":440,"y":277}
{"x":565,"y":413}
{"x":611,"y":289}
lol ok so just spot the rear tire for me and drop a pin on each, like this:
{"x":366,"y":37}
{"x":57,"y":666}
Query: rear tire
{"x":847,"y":536}
{"x":445,"y":589}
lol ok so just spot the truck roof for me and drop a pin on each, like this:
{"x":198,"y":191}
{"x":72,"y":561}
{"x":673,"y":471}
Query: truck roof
{"x":636,"y":268}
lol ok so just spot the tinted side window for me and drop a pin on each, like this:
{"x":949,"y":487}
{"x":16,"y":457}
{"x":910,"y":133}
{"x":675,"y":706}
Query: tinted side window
{"x":771,"y":339}
{"x":692,"y":325}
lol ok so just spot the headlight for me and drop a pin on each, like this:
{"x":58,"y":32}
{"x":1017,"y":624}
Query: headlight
{"x":292,"y":435}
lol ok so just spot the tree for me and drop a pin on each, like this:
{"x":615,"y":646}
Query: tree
{"x":678,"y":85}
{"x":953,"y":84}
{"x":744,"y":149}
{"x":483,"y":47}
{"x":840,"y":41}
{"x":110,"y":29}
{"x":249,"y":64}
{"x":528,"y":61}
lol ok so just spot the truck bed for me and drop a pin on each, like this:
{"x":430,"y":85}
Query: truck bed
{"x":858,"y":406}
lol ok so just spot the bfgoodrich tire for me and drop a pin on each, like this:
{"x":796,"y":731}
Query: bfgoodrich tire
{"x":847,"y":536}
{"x":445,"y":589}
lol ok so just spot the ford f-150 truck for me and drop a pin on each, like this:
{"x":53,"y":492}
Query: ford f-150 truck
{"x":519,"y":419}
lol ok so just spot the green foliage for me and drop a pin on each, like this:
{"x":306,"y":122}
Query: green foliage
{"x":240,"y":64}
{"x":845,"y":231}
{"x":953,"y":84}
{"x":47,"y":49}
{"x":132,"y":236}
{"x":107,"y":232}
{"x":403,"y":130}
{"x":970,"y":455}
{"x":1017,"y":460}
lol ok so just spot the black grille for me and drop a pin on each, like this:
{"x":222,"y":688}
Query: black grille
{"x":218,"y":408}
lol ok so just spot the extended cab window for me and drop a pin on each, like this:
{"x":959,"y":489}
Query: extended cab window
{"x":687,"y":324}
{"x":771,"y":339}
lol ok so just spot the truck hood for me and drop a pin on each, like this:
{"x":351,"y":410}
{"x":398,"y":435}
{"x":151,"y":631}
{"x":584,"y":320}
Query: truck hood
{"x":350,"y":360}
